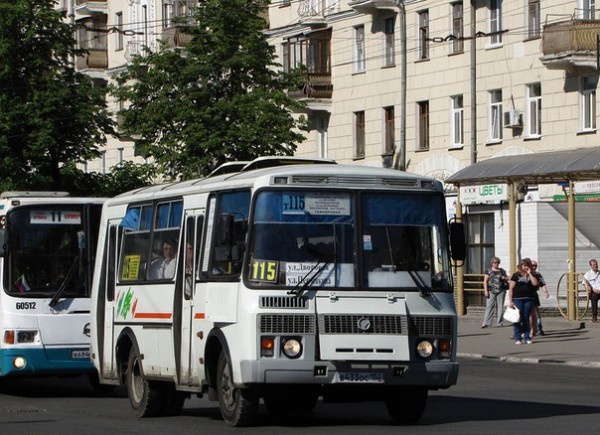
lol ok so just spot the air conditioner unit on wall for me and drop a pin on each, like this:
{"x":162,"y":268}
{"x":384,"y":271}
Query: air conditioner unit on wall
{"x":512,"y":119}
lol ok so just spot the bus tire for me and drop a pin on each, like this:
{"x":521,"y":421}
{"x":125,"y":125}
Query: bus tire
{"x":238,"y":406}
{"x":145,"y":396}
{"x":406,"y":405}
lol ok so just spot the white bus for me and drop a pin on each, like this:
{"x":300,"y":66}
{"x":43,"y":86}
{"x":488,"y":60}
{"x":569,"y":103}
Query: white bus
{"x":47,"y":249}
{"x":288,"y":282}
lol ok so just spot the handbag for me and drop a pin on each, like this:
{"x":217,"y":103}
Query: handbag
{"x":512,"y":315}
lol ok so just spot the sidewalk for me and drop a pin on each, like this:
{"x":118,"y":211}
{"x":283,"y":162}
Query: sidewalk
{"x":566,"y":342}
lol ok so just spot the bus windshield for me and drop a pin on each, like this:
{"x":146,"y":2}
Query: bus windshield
{"x":349,"y":240}
{"x":46,"y":249}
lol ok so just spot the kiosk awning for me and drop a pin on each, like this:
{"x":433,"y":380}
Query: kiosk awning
{"x":580,"y":164}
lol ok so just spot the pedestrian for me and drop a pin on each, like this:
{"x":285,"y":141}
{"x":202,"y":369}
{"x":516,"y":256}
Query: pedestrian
{"x":495,"y":284}
{"x":591,"y":280}
{"x":521,"y":291}
{"x":536,"y":315}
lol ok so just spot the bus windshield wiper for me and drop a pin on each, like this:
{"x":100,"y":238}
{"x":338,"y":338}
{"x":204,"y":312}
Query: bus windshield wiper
{"x":64,"y":283}
{"x":309,"y":278}
{"x":424,"y":291}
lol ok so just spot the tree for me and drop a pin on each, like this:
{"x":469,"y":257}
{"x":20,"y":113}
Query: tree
{"x":221,"y":99}
{"x":51,"y":116}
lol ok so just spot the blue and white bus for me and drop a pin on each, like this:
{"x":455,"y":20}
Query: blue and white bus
{"x":47,"y":250}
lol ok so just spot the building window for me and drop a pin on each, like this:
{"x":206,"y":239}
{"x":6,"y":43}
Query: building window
{"x":588,"y":9}
{"x":534,"y":110}
{"x":119,"y":156}
{"x":312,"y":52}
{"x":423,"y":124}
{"x":359,"y":135}
{"x":119,"y":31}
{"x":458,"y":44}
{"x":495,"y":22}
{"x":423,"y":36}
{"x":286,"y":2}
{"x":495,"y":115}
{"x":388,"y":128}
{"x":388,"y":43}
{"x":359,"y":49}
{"x":103,"y":162}
{"x":588,"y":102}
{"x":533,"y":19}
{"x":457,"y":121}
{"x":480,"y":241}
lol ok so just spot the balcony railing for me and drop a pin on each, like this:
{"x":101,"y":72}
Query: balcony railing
{"x":315,"y":86}
{"x":570,"y":44}
{"x":176,"y":37}
{"x":93,"y":59}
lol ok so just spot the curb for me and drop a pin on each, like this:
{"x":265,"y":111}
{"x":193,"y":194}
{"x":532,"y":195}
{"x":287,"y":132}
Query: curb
{"x":511,"y":359}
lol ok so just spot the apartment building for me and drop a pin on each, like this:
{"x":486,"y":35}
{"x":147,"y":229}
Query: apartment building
{"x":426,"y":86}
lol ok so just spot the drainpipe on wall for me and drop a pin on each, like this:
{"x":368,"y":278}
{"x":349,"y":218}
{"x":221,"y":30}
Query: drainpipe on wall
{"x":400,"y":158}
{"x":473,"y":83}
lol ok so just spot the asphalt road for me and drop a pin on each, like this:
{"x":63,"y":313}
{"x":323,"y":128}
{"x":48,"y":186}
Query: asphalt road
{"x":492,"y":397}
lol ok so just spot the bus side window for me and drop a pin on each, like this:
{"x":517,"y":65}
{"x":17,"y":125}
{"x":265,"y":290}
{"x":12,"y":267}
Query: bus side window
{"x":230,"y":234}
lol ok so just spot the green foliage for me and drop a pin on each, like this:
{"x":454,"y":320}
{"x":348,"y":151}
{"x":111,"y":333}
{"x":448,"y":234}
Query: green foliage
{"x":50,"y":115}
{"x":221,"y":99}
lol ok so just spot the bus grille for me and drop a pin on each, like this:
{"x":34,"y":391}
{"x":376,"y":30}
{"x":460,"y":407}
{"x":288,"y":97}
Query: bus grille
{"x":286,"y":324}
{"x":349,"y":324}
{"x":283,"y":302}
{"x":431,"y":326}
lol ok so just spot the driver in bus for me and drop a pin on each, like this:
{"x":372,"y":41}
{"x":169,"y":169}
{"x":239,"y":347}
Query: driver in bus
{"x":164,"y":268}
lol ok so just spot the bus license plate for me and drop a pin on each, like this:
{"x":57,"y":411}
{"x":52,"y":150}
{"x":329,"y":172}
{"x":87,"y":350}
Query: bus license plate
{"x":80,"y":354}
{"x":358,"y":377}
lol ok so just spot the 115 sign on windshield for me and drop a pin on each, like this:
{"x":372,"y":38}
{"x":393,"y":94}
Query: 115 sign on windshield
{"x":330,"y":204}
{"x":55,"y":217}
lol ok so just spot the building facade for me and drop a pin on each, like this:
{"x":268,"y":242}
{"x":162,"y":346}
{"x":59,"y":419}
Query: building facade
{"x":421,"y":85}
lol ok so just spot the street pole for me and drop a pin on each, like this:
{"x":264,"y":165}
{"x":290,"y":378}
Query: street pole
{"x":400,"y":158}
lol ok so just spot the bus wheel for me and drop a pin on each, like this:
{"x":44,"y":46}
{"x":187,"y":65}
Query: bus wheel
{"x":293,"y":403}
{"x":406,"y":405}
{"x":239,"y":407}
{"x":144,"y":396}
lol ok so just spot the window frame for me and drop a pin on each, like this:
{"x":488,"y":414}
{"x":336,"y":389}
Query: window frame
{"x":359,"y":134}
{"x":495,"y":22}
{"x":389,"y":127}
{"x":423,"y":127}
{"x":495,"y":114}
{"x":533,"y":19}
{"x":423,"y":34}
{"x":588,"y":103}
{"x":534,"y":110}
{"x":458,"y":16}
{"x":359,"y":49}
{"x":389,"y":45}
{"x":457,"y":121}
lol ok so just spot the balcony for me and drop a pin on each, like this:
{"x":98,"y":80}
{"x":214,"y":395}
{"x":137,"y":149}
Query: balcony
{"x":86,"y":7}
{"x":175,"y":37}
{"x":570,"y":45}
{"x":311,"y":14}
{"x":92,"y":59}
{"x":316,"y":86}
{"x":373,"y":6}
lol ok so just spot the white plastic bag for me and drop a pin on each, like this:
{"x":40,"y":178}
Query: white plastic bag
{"x":512,"y":315}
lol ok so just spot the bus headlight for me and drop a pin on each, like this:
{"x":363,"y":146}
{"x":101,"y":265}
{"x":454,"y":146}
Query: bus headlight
{"x":424,"y":349}
{"x":19,"y":362}
{"x":291,"y":347}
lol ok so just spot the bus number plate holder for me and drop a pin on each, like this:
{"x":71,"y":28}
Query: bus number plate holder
{"x":361,"y":377}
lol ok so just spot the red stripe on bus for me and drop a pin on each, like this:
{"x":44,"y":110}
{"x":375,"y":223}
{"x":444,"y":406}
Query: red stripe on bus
{"x":152,"y":315}
{"x":200,"y":316}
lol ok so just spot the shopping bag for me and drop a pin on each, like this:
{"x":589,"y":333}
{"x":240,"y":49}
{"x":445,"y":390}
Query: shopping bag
{"x":512,"y":314}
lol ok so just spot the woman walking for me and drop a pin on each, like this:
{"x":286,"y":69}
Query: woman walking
{"x":521,"y":294}
{"x":495,"y":284}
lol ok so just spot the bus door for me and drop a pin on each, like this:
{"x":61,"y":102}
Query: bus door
{"x":191,"y":307}
{"x":106,"y":300}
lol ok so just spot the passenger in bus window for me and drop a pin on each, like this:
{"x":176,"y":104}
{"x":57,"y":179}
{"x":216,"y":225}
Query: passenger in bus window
{"x":164,"y":268}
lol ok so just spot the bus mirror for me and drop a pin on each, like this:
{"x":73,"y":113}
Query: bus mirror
{"x":2,"y":233}
{"x":458,"y":249}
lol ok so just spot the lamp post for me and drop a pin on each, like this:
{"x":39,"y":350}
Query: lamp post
{"x":400,"y":159}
